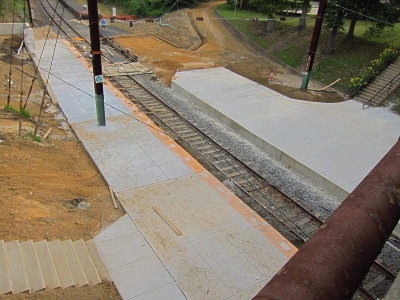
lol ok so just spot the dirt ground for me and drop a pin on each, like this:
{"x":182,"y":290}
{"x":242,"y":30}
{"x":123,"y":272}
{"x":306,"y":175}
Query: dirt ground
{"x":207,"y":44}
{"x":41,"y":184}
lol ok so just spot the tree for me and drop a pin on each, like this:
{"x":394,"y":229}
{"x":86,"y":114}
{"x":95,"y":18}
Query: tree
{"x":269,"y":8}
{"x":387,"y":12}
{"x":305,"y":7}
{"x":365,"y":7}
{"x":334,"y":22}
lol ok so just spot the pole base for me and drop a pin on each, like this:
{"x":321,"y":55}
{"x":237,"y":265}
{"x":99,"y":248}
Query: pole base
{"x":306,"y":80}
{"x":101,"y":118}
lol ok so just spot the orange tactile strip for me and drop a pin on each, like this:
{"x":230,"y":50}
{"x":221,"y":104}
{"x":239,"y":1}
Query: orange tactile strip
{"x":253,"y":218}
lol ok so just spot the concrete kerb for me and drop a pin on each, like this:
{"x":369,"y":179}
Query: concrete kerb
{"x":9,"y":28}
{"x":275,"y":152}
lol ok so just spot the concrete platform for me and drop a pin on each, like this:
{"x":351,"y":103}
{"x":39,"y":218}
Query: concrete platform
{"x":335,"y":145}
{"x":226,"y":250}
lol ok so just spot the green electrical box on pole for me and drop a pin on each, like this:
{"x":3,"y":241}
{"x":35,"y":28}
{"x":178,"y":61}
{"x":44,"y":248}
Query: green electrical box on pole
{"x":96,"y":61}
{"x":313,"y":45}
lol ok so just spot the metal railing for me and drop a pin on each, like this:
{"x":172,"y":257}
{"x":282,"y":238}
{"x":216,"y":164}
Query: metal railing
{"x":384,"y":90}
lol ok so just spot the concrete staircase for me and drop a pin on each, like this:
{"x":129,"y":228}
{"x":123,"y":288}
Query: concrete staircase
{"x":30,"y":267}
{"x":378,"y":85}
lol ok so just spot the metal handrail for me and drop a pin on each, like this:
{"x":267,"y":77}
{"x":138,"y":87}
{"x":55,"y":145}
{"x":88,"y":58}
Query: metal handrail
{"x":368,"y":104}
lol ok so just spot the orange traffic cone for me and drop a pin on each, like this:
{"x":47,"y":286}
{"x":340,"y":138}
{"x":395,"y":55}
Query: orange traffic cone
{"x":271,"y":75}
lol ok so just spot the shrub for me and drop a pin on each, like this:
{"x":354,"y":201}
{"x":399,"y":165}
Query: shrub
{"x":368,"y":74}
{"x":25,"y":113}
{"x":31,"y":136}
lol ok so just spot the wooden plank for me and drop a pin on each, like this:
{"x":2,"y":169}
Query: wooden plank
{"x":164,"y":217}
{"x":98,"y":261}
{"x":20,"y":48}
{"x":109,"y":51}
{"x":47,"y":133}
{"x":86,"y":262}
{"x":62,"y":268}
{"x":113,"y":197}
{"x":32,"y":268}
{"x":328,"y":86}
{"x":46,"y":264}
{"x":5,"y":283}
{"x":165,"y":41}
{"x":19,"y":283}
{"x":74,"y":263}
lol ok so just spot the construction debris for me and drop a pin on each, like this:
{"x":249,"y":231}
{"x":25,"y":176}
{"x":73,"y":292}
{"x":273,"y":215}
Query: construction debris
{"x":163,"y":40}
{"x":164,"y":217}
{"x":47,"y":133}
{"x":118,"y":69}
{"x":113,"y":197}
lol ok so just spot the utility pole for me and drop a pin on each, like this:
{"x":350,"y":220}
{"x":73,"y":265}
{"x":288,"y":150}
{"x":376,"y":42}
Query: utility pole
{"x":313,"y":44}
{"x":30,"y":12}
{"x":96,"y":61}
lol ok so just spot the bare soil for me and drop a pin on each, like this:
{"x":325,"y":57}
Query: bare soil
{"x":42,"y":183}
{"x":207,"y":44}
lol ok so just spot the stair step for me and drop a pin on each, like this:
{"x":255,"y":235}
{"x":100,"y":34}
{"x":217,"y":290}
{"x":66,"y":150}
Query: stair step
{"x":5,"y":283}
{"x":16,"y":268}
{"x":32,"y":268}
{"x":62,"y":268}
{"x":73,"y":261}
{"x":46,"y":263}
{"x":86,"y":262}
{"x":98,"y":261}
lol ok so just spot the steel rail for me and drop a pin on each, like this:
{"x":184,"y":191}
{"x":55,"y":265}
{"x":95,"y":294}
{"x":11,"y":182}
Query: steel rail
{"x":58,"y":24}
{"x":218,"y":148}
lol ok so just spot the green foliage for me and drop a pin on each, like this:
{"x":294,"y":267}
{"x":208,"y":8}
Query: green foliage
{"x":149,"y":8}
{"x":25,"y":113}
{"x":396,"y":106}
{"x":7,"y":7}
{"x":334,"y":16}
{"x":272,"y":7}
{"x":368,"y":74}
{"x":394,"y":101}
{"x":34,"y":138}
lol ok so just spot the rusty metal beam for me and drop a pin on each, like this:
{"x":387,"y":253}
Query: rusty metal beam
{"x":336,"y":258}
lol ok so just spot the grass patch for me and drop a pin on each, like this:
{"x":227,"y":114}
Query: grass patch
{"x":25,"y":113}
{"x":290,"y":45}
{"x":31,"y":136}
{"x":291,"y":56}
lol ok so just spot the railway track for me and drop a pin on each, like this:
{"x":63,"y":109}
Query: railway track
{"x":291,"y":219}
{"x":79,"y":35}
{"x":298,"y":223}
